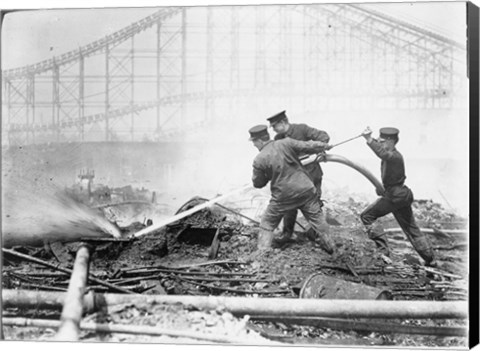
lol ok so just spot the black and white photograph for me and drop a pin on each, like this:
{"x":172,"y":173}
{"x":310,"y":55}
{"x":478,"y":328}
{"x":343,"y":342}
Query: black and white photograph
{"x":260,"y":174}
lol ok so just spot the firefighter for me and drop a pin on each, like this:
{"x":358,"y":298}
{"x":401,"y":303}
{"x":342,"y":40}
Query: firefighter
{"x":281,"y":125}
{"x":291,"y":187}
{"x":396,"y":199}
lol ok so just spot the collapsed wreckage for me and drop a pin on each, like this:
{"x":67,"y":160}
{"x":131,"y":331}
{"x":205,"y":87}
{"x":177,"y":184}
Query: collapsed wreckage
{"x":189,"y":278}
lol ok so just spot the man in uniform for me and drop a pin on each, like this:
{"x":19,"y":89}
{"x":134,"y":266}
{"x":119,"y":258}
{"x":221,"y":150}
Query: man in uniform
{"x":303,"y":132}
{"x":396,"y":199}
{"x":291,"y":187}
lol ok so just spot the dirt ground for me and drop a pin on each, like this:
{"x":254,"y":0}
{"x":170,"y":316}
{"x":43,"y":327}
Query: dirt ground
{"x":180,"y":259}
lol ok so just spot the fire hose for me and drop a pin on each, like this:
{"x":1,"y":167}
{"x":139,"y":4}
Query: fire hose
{"x":323,"y":157}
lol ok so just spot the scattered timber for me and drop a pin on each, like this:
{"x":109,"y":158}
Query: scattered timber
{"x":64,"y":270}
{"x":236,"y":280}
{"x":210,"y":263}
{"x":238,"y":291}
{"x":205,"y":279}
{"x":108,"y":240}
{"x":176,"y":271}
{"x":445,"y":274}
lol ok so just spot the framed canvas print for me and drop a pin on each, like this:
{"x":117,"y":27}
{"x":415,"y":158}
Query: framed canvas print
{"x":257,"y":174}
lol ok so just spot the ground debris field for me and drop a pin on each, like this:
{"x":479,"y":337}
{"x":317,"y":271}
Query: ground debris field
{"x":209,"y":254}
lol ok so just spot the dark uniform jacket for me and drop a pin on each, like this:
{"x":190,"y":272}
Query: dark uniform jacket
{"x":278,"y":163}
{"x":304,"y":132}
{"x":393,"y":174}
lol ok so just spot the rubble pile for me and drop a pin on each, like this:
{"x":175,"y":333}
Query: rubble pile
{"x":176,"y":259}
{"x":434,"y":214}
{"x":215,"y":323}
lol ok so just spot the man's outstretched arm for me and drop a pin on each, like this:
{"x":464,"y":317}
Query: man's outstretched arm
{"x":308,"y":147}
{"x":315,"y":134}
{"x":376,"y":146}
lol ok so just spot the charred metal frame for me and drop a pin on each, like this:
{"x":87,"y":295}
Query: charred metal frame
{"x":413,"y":69}
{"x":209,"y":66}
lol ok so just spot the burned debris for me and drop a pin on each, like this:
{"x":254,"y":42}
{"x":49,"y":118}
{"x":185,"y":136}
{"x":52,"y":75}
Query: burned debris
{"x":208,"y":253}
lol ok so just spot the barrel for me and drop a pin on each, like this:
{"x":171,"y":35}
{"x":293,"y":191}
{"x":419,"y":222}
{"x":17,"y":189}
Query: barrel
{"x":320,"y":286}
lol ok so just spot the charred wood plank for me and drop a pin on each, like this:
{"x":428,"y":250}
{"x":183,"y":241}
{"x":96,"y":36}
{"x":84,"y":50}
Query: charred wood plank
{"x":238,"y":291}
{"x":176,"y":271}
{"x":237,"y":280}
{"x":65,"y":270}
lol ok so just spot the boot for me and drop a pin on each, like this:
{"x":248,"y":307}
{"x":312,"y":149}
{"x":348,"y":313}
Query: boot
{"x":382,"y":245}
{"x":325,"y":243}
{"x":429,"y":257}
{"x":265,"y":239}
{"x":279,"y":241}
{"x":379,"y":239}
{"x":310,"y":234}
{"x":289,"y":221}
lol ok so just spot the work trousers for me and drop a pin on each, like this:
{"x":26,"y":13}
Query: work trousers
{"x":404,"y":216}
{"x":290,"y":217}
{"x":311,"y":211}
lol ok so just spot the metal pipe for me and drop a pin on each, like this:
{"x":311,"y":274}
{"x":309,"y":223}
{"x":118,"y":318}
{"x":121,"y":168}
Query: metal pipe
{"x":262,"y":306}
{"x":345,"y":141}
{"x":367,"y":326}
{"x":311,"y":307}
{"x":73,"y":307}
{"x":430,"y":231}
{"x":138,"y":330}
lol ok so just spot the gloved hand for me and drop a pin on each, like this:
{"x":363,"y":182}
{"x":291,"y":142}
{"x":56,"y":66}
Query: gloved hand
{"x":326,"y":146}
{"x":367,"y":131}
{"x":367,"y":134}
{"x":320,"y":145}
